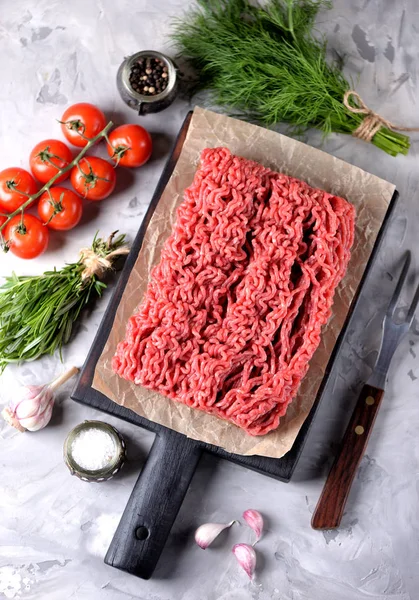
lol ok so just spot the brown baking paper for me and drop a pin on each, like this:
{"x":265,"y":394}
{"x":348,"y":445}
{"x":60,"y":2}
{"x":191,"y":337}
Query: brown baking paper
{"x":370,"y":196}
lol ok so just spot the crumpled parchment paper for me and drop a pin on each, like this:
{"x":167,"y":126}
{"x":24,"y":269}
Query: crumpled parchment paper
{"x":369,"y":194}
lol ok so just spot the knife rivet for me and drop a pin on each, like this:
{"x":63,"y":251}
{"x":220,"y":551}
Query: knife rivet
{"x":370,"y":400}
{"x":359,"y":430}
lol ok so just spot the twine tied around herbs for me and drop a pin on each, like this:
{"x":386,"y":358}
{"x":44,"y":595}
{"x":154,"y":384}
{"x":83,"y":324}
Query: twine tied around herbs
{"x":372,"y":122}
{"x":99,"y":265}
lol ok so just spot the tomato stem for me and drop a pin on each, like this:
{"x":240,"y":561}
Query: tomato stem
{"x":3,"y":244}
{"x":90,"y":178}
{"x":119,"y":152}
{"x":11,"y":185}
{"x":57,"y":206}
{"x":21,"y":227}
{"x":31,"y":198}
{"x":46,"y":156}
{"x":76,"y":125}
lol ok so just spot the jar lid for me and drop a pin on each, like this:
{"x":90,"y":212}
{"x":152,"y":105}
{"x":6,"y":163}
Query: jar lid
{"x":94,"y":451}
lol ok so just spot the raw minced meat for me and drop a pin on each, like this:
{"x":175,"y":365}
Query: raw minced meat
{"x":233,"y":311}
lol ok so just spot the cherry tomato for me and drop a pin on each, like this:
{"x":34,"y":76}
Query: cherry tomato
{"x":93,"y":178}
{"x":63,"y":212}
{"x":45,"y":153}
{"x":12,"y":180}
{"x":82,"y":118}
{"x":29,"y":240}
{"x":2,"y":220}
{"x":131,"y":145}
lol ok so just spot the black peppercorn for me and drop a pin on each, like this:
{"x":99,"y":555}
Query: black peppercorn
{"x":149,"y":76}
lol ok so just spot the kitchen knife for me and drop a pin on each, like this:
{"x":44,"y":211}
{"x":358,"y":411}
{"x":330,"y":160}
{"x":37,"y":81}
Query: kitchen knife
{"x":331,"y":504}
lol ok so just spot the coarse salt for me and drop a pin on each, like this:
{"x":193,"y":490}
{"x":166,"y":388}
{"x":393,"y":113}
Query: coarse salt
{"x":93,"y":449}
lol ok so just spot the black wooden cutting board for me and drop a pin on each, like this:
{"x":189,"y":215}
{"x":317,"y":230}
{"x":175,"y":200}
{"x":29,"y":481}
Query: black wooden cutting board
{"x":161,"y":487}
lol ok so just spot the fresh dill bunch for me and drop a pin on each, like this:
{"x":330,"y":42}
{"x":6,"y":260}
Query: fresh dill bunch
{"x":264,"y":60}
{"x":37,"y":313}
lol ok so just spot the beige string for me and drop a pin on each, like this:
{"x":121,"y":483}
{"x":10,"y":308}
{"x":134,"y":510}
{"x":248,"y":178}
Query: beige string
{"x":98,"y":265}
{"x":373,"y":122}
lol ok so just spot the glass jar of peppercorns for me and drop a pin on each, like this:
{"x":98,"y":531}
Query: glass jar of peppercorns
{"x":147,"y":81}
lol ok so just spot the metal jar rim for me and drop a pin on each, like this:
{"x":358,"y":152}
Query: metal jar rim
{"x":99,"y":474}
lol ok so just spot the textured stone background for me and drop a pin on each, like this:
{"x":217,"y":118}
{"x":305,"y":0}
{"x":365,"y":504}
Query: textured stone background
{"x":54,"y":530}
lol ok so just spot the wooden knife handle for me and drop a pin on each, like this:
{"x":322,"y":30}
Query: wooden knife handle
{"x":331,"y":504}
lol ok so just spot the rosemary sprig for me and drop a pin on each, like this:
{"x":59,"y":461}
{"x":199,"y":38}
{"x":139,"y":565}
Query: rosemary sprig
{"x":266,"y":62}
{"x":37,"y":313}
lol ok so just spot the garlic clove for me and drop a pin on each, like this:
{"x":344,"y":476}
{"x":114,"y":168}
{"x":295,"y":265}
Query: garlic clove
{"x":31,"y":391}
{"x":26,"y":409}
{"x":246,"y":557}
{"x":38,"y":421}
{"x":32,"y":405}
{"x":255,"y":520}
{"x":206,"y":534}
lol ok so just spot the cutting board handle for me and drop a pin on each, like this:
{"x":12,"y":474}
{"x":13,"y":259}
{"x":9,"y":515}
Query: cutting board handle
{"x":154,"y":504}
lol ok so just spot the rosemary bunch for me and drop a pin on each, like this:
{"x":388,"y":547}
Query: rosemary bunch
{"x":37,"y":313}
{"x":266,"y":62}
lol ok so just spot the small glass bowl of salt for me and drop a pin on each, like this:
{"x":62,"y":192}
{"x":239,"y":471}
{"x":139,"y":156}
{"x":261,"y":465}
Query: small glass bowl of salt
{"x":94,"y":451}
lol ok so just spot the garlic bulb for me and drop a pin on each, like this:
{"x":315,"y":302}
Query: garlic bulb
{"x":254,"y":519}
{"x":31,"y":408}
{"x":246,"y":557}
{"x":206,"y":534}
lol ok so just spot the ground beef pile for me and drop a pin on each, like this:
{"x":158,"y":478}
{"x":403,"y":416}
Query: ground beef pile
{"x":234,"y":310}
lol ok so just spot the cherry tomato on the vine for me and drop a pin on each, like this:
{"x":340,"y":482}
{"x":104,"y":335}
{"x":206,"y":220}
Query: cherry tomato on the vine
{"x":62,"y":210}
{"x":82,"y":119}
{"x":93,"y":178}
{"x":47,"y":158}
{"x":16,"y":185}
{"x":131,"y":145}
{"x":27,"y":237}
